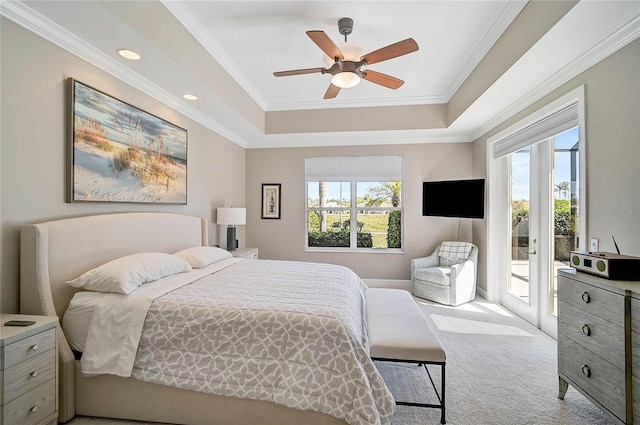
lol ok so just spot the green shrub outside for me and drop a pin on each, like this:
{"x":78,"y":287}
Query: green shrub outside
{"x":314,"y":219}
{"x":339,"y":239}
{"x":562,"y":221}
{"x":394,"y":233}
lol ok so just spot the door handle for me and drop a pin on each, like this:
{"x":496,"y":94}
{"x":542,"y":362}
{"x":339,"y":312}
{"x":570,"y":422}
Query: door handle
{"x":534,"y":248}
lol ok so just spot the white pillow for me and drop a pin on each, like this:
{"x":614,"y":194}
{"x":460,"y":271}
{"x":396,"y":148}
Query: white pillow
{"x":200,"y":256}
{"x":124,"y":275}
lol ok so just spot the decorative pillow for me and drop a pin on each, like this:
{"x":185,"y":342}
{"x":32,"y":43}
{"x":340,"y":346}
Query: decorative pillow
{"x":454,"y":252}
{"x":125,"y":274}
{"x":200,"y":256}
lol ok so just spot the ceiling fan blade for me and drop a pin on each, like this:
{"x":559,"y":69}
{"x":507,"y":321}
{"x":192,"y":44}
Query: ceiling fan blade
{"x":299,"y":72}
{"x":391,"y":51}
{"x":324,"y":42}
{"x":383,"y":79}
{"x":332,"y":92}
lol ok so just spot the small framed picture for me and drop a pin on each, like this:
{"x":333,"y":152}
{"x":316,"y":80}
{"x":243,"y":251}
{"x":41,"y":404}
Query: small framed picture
{"x":271,"y":200}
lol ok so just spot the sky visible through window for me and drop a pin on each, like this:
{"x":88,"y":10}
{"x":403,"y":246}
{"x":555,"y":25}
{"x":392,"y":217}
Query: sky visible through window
{"x":333,"y":190}
{"x":562,"y":171}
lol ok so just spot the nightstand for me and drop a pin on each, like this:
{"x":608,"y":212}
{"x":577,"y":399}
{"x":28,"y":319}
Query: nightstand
{"x":29,"y":371}
{"x":248,"y":253}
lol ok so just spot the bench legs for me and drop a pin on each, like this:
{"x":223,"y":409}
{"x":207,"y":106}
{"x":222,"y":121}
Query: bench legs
{"x":439,"y":394}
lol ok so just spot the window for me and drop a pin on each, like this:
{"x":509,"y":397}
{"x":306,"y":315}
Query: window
{"x":368,"y":189}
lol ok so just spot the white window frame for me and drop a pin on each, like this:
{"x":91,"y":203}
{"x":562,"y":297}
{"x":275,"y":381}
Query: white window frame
{"x":354,"y":170}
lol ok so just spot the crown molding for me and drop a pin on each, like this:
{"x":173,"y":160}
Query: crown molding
{"x":610,"y":45}
{"x":509,"y":13}
{"x":26,"y":17}
{"x":360,"y":138}
{"x":191,"y":24}
{"x":20,"y":13}
{"x":351,"y":103}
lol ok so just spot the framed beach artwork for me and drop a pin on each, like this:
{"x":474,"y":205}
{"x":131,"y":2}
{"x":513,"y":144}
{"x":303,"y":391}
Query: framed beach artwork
{"x":119,"y":153}
{"x":271,"y":200}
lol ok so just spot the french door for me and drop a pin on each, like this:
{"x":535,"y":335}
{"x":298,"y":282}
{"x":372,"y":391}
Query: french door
{"x":543,"y":222}
{"x":536,"y":200}
{"x":527,"y":289}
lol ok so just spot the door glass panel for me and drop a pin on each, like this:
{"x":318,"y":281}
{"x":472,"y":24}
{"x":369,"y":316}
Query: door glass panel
{"x":518,"y":283}
{"x":565,"y":205}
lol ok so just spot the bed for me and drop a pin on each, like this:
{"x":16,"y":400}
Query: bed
{"x":55,"y":252}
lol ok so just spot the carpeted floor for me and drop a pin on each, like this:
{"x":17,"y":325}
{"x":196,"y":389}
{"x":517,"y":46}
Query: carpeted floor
{"x":500,"y":371}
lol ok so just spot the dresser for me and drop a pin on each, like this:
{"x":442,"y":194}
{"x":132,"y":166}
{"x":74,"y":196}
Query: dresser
{"x":596,"y":328}
{"x":248,"y":253}
{"x":29,"y":371}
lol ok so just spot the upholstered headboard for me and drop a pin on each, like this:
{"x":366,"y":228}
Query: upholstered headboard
{"x":56,"y":251}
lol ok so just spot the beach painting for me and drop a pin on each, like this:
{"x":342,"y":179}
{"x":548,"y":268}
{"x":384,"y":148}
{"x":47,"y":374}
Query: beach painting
{"x":119,"y":153}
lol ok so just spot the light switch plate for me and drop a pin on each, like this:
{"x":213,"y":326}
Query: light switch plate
{"x":594,"y":245}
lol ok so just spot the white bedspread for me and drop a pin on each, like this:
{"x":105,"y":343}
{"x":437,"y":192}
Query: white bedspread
{"x":288,"y":332}
{"x":117,"y":321}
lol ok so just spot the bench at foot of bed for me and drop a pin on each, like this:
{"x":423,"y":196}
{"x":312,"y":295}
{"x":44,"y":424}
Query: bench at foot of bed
{"x":399,"y":332}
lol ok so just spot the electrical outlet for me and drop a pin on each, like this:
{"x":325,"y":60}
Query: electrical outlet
{"x":594,"y":245}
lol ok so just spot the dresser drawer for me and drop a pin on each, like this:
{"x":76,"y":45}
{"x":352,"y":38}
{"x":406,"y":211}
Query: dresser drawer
{"x":25,"y":376}
{"x":635,"y":315}
{"x":29,"y":347}
{"x":592,"y":332}
{"x":32,"y":407}
{"x":635,"y":384}
{"x":596,"y":301}
{"x":593,"y":375}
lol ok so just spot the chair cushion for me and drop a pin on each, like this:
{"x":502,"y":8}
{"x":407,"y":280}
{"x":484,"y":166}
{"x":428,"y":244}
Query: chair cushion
{"x":454,"y":252}
{"x":439,"y":275}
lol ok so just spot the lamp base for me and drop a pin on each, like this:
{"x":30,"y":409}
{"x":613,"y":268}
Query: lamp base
{"x":232,"y":242}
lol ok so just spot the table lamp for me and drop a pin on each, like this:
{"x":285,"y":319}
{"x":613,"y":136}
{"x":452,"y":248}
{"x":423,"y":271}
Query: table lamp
{"x":232,"y":217}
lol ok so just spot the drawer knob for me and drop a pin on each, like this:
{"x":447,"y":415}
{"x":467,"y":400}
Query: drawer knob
{"x":34,"y":409}
{"x":585,"y":297}
{"x":586,"y":371}
{"x":586,"y":330}
{"x":35,"y":347}
{"x":35,"y":373}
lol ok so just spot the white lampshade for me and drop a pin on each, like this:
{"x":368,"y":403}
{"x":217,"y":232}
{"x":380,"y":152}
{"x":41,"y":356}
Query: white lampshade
{"x":345,"y":80}
{"x":232,"y":216}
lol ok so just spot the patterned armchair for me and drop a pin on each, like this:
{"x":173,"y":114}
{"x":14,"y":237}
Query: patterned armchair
{"x":448,"y":276}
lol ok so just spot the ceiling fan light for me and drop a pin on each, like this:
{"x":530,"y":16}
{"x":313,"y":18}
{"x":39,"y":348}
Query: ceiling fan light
{"x":345,"y":80}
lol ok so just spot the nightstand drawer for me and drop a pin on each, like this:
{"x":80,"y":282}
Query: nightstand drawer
{"x":596,"y":301}
{"x":27,"y":375}
{"x":29,"y":347}
{"x":593,"y":375}
{"x":593,"y":333}
{"x":32,"y":407}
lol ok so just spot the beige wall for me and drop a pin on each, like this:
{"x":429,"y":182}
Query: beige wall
{"x":32,"y":145}
{"x":32,"y":165}
{"x":612,"y":92}
{"x":285,"y":238}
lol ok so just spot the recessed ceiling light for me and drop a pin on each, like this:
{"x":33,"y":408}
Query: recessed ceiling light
{"x":190,"y":96}
{"x":129,"y":54}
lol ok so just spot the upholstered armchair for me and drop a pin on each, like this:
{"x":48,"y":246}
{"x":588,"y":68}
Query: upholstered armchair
{"x":448,"y":276}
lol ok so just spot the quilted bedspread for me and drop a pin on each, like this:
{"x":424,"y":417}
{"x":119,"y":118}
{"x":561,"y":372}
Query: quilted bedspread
{"x":288,"y":332}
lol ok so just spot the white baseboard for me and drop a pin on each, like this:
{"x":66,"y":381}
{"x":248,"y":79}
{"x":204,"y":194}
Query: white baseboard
{"x":481,"y":292}
{"x":389,"y":283}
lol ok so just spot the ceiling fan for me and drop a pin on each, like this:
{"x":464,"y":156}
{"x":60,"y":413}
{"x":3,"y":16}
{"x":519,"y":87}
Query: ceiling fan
{"x":347,"y":73}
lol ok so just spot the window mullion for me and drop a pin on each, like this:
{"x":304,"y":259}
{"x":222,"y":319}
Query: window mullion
{"x":353,"y":214}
